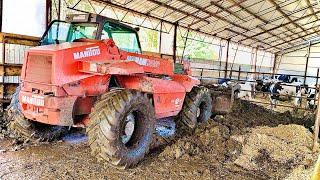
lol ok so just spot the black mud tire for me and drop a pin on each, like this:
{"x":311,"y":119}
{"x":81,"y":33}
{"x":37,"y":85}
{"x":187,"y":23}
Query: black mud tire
{"x":198,"y":99}
{"x":25,"y":129}
{"x":106,"y":120}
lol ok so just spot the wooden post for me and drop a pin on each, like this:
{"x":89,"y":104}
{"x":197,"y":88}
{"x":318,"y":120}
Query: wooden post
{"x":317,"y":77}
{"x":175,"y":43}
{"x":316,"y":125}
{"x":1,"y":14}
{"x":230,"y":75}
{"x":201,"y":74}
{"x":227,"y":59}
{"x":255,"y":63}
{"x":2,"y":69}
{"x":307,"y":63}
{"x":220,"y":58}
{"x":59,"y":10}
{"x":315,"y":97}
{"x":160,"y":38}
{"x":239,"y":73}
{"x":316,"y":171}
{"x":48,"y":12}
{"x":185,"y":45}
{"x":274,"y":65}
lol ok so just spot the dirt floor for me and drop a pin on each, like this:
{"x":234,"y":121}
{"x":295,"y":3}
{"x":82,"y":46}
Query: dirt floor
{"x":250,"y":143}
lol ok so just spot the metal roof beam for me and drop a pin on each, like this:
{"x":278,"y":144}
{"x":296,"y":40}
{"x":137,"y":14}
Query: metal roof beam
{"x":250,"y":38}
{"x":311,"y":9}
{"x":257,"y":17}
{"x":204,"y":10}
{"x":299,"y":46}
{"x":199,"y":10}
{"x":219,"y":11}
{"x":294,"y":29}
{"x":278,"y":8}
{"x":166,"y":21}
{"x":308,"y":34}
{"x":177,"y":10}
{"x":215,"y":15}
{"x":148,"y":15}
{"x":210,"y":13}
{"x":281,"y":25}
{"x":281,"y":17}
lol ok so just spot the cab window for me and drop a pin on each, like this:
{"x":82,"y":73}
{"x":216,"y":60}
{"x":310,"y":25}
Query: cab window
{"x":125,"y":38}
{"x":60,"y":32}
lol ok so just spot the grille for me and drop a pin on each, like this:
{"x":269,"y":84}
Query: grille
{"x":39,"y":68}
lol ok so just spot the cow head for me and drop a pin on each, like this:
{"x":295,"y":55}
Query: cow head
{"x":302,"y":88}
{"x":278,"y":86}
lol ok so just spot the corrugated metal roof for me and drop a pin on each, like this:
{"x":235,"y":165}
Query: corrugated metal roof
{"x":270,"y":24}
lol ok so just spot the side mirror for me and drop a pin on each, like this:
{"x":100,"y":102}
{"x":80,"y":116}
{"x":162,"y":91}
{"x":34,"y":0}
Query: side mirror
{"x":137,"y":29}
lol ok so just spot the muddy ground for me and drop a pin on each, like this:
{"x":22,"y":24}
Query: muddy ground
{"x":250,"y":143}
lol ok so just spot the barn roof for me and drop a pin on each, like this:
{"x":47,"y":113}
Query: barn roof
{"x":272,"y":25}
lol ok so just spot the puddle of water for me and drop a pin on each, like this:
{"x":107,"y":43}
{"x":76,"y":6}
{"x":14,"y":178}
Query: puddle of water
{"x":165,"y":127}
{"x":75,"y":138}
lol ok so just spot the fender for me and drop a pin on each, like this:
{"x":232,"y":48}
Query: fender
{"x":168,"y":96}
{"x":187,"y":81}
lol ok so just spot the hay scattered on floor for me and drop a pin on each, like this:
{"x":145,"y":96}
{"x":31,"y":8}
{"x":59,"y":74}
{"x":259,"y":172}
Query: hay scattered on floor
{"x":276,"y":149}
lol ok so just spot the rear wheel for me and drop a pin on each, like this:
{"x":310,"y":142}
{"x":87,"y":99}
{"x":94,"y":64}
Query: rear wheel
{"x":197,"y":107}
{"x":121,"y":128}
{"x":29,"y":130}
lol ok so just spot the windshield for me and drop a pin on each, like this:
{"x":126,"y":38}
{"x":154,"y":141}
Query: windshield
{"x":61,"y":32}
{"x":125,"y":38}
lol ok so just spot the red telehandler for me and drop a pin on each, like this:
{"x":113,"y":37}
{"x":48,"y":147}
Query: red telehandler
{"x":89,"y":71}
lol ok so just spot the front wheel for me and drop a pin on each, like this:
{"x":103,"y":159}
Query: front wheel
{"x":121,"y":128}
{"x":197,"y":107}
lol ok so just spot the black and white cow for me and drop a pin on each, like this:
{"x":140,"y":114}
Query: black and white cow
{"x":248,"y":89}
{"x":287,"y":78}
{"x":263,"y":85}
{"x":312,"y":96}
{"x":298,"y":99}
{"x":223,"y":80}
{"x":274,"y":95}
{"x":294,"y":89}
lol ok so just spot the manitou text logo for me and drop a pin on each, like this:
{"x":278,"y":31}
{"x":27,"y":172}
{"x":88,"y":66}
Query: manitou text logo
{"x":144,"y":62}
{"x":34,"y":100}
{"x":89,"y":52}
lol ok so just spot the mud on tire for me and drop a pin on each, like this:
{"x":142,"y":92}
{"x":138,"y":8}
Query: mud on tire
{"x":27,"y":130}
{"x":197,"y":108}
{"x":107,"y":129}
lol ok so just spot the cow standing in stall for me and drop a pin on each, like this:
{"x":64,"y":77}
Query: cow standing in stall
{"x":248,"y":88}
{"x":312,"y":97}
{"x":263,"y":85}
{"x":291,"y":89}
{"x":284,"y":85}
{"x":298,"y":98}
{"x":274,"y":95}
{"x":286,"y":78}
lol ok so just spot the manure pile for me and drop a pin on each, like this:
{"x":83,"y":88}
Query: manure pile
{"x":250,"y":143}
